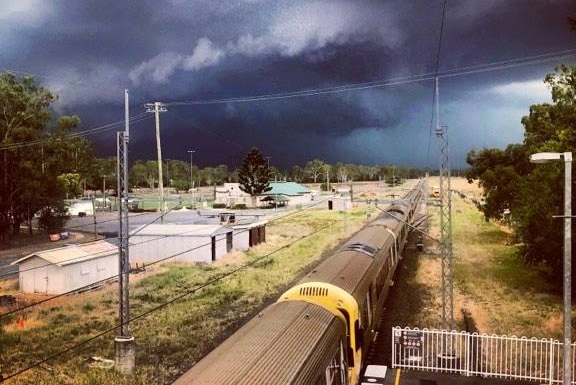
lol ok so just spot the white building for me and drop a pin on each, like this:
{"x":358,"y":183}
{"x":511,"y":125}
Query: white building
{"x":179,"y":243}
{"x":80,"y":207}
{"x":64,"y":269}
{"x":289,"y":193}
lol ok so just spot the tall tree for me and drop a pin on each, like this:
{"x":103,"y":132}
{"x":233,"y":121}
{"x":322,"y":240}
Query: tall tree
{"x":26,"y":182}
{"x":315,"y":168}
{"x":533,"y":194}
{"x":254,"y":175}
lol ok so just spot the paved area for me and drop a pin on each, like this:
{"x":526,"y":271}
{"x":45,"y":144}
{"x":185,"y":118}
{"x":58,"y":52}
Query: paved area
{"x":411,"y":377}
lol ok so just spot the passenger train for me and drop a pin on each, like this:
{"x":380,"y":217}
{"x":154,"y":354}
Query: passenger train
{"x":318,"y":332}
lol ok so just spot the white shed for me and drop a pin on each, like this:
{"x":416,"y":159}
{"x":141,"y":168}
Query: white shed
{"x":340,"y":203}
{"x":64,"y":269}
{"x":182,"y":243}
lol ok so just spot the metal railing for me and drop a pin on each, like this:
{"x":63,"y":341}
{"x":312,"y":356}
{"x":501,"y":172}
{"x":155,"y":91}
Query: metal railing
{"x":473,"y":354}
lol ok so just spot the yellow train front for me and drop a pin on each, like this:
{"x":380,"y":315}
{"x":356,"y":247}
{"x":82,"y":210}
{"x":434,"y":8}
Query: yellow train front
{"x":318,"y":330}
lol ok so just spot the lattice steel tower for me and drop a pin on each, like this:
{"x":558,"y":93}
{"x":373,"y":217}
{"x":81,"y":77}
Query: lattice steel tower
{"x":446,"y":232}
{"x":447,"y":284}
{"x":124,"y":342}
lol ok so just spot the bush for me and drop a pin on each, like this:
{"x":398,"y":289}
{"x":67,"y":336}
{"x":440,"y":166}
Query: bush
{"x":241,"y":206}
{"x":219,"y":205}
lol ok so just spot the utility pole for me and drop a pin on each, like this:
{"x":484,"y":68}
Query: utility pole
{"x":157,"y":108}
{"x":192,"y":176}
{"x":327,"y":168}
{"x":124,"y":342}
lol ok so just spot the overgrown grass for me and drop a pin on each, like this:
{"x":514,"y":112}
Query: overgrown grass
{"x":505,"y":295}
{"x":173,"y":335}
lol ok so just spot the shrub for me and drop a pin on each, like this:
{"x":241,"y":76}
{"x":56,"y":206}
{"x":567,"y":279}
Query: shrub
{"x":241,"y":206}
{"x":218,"y":205}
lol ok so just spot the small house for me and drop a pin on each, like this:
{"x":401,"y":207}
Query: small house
{"x":68,"y":268}
{"x":281,"y":194}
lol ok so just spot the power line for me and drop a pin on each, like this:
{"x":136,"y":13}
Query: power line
{"x":92,"y":131}
{"x":436,"y":68}
{"x":209,"y":282}
{"x":91,"y":285}
{"x":461,"y":71}
{"x":217,"y":278}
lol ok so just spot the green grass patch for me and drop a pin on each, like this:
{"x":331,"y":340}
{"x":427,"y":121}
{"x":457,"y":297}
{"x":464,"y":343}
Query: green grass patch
{"x":178,"y":334}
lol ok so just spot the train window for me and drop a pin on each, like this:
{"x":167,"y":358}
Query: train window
{"x":396,"y":210}
{"x":363,"y":248}
{"x":369,"y":307}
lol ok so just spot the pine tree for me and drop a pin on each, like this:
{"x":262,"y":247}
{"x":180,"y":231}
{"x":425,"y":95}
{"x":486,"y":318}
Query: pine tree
{"x":254,"y":175}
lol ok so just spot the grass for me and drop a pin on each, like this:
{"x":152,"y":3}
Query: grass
{"x":178,"y":334}
{"x":504,"y":295}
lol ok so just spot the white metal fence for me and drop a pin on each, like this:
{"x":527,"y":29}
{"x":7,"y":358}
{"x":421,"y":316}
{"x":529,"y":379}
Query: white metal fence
{"x":474,"y":354}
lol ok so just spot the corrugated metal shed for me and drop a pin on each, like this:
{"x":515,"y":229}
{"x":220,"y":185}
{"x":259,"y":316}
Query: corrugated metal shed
{"x":66,"y":255}
{"x":179,"y":243}
{"x":68,"y":268}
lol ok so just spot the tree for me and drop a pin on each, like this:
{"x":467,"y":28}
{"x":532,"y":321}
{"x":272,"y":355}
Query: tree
{"x":533,"y":194}
{"x":138,"y":174}
{"x":31,"y":157}
{"x":254,"y":175}
{"x":314,"y":168}
{"x":297,"y":173}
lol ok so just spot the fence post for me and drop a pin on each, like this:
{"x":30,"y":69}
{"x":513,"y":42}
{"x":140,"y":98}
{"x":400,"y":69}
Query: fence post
{"x":467,"y":354}
{"x":551,"y":362}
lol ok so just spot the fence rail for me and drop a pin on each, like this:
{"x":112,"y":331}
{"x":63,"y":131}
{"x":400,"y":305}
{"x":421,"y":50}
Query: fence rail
{"x":474,"y":354}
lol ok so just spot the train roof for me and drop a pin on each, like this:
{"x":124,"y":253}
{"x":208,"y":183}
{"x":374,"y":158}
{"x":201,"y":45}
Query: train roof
{"x":285,"y":344}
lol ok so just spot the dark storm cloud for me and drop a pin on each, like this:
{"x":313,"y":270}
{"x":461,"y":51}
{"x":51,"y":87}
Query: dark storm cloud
{"x":181,"y":50}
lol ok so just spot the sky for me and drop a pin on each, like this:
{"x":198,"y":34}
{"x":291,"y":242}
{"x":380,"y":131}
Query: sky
{"x":348,"y":81}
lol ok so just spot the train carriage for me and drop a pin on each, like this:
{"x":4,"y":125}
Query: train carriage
{"x":318,"y":331}
{"x":287,"y":343}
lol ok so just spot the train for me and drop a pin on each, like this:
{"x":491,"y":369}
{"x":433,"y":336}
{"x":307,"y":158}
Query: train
{"x":318,"y":332}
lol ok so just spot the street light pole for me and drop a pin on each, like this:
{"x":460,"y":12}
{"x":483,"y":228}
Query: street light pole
{"x":543,"y":157}
{"x":192,"y":174}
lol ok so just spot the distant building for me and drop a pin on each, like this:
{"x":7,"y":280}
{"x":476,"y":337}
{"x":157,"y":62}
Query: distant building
{"x":64,"y":269}
{"x":340,"y":203}
{"x":80,"y":207}
{"x":281,"y":194}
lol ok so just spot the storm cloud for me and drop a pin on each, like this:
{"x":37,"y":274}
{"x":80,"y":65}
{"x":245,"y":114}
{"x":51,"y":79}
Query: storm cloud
{"x":231,"y":54}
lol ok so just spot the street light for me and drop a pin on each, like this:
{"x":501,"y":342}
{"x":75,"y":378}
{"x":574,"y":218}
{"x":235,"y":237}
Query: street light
{"x":192,"y":174}
{"x":543,"y":157}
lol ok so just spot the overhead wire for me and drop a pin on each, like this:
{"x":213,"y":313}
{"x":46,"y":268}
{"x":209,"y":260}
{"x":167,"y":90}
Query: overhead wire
{"x":92,"y":131}
{"x":461,"y":71}
{"x":210,"y":281}
{"x":436,"y":68}
{"x":113,"y":277}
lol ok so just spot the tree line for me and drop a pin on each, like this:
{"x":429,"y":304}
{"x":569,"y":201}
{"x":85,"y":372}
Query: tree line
{"x":43,"y":161}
